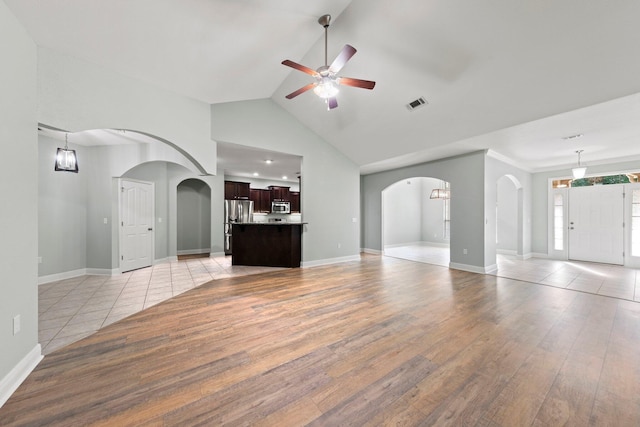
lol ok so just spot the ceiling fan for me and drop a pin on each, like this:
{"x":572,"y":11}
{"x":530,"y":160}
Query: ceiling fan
{"x":326,"y":84}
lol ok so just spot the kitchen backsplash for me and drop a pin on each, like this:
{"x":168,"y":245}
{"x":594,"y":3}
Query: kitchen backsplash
{"x":263,"y":217}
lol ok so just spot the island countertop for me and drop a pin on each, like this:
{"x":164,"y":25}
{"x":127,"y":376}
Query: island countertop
{"x":270,"y":244}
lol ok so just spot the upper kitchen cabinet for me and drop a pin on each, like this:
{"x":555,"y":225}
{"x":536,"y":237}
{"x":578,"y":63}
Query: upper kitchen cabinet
{"x":279,"y":194}
{"x":234,"y":190}
{"x":261,"y":200}
{"x":295,"y":201}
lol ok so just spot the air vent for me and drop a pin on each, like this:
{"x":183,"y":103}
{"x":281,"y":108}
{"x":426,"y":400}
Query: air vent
{"x":417,"y":103}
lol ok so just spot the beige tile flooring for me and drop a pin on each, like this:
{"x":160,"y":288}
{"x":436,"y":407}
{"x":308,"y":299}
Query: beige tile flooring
{"x":74,"y":308}
{"x":600,"y":279}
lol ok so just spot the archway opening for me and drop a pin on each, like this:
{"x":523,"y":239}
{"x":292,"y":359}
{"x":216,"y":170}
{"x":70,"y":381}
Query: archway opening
{"x":416,"y":214}
{"x":193,"y":219}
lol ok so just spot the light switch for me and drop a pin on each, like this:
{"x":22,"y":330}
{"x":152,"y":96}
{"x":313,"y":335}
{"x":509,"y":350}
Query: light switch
{"x":105,"y":220}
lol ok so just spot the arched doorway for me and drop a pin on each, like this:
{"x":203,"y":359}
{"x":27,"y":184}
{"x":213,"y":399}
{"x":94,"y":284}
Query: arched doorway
{"x":193,"y":218}
{"x":415,"y":220}
{"x":509,"y":218}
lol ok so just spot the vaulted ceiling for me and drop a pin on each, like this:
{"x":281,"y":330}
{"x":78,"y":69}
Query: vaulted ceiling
{"x":516,"y":77}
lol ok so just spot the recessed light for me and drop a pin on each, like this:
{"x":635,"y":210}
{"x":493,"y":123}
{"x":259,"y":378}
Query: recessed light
{"x":268,"y":161}
{"x":255,"y":174}
{"x":576,"y":136}
{"x":284,"y":177}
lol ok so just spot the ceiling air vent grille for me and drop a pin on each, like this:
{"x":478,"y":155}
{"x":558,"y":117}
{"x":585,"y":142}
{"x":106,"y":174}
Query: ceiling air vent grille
{"x":417,"y":103}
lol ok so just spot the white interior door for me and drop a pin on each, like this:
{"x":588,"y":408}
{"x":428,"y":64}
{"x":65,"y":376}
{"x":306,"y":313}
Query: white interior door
{"x":596,"y":224}
{"x":136,"y":224}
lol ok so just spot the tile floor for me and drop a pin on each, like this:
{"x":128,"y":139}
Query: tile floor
{"x":74,"y":308}
{"x":600,"y":279}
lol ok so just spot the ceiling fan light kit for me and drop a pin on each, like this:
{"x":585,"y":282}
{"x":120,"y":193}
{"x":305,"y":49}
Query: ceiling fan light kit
{"x":327,"y":81}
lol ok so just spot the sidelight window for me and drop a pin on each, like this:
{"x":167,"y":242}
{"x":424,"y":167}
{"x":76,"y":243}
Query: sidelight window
{"x":558,"y":222}
{"x":635,"y":223}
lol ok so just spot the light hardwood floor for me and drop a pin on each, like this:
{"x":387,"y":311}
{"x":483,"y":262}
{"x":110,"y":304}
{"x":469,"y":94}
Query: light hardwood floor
{"x":383,"y":341}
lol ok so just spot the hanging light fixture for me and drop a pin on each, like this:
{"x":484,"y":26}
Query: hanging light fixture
{"x":579,"y":171}
{"x":66,"y":159}
{"x":441,"y":193}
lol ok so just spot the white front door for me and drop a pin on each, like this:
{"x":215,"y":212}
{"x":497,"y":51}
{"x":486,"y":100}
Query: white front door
{"x":596,"y":224}
{"x":136,"y":224}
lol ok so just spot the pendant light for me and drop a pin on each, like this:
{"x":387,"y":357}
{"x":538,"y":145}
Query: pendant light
{"x":579,"y":171}
{"x":441,"y":193}
{"x":66,"y":160}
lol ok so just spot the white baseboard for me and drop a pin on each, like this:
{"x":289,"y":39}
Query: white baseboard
{"x":435,"y":244}
{"x":525,"y":256}
{"x":19,"y":373}
{"x":507,"y":252}
{"x":194,"y":251}
{"x":399,"y":245}
{"x":42,"y":280}
{"x":216,"y":254}
{"x":371,"y":251}
{"x":473,"y":268}
{"x":329,"y":261}
{"x":103,"y":271}
{"x":61,"y":276}
{"x":539,"y":255}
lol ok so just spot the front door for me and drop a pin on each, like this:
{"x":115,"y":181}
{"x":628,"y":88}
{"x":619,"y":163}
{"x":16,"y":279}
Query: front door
{"x":136,"y":224}
{"x":596,"y":224}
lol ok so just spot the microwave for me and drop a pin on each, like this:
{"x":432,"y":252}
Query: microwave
{"x":281,"y":207}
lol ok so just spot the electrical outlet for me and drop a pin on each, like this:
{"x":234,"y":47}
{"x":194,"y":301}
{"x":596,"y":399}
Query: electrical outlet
{"x":105,"y":220}
{"x":16,"y":324}
{"x":39,"y":260}
{"x":339,"y":245}
{"x":159,"y":219}
{"x":464,"y":252}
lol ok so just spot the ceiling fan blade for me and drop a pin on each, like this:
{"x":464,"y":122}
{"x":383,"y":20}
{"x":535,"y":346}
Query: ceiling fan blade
{"x":345,"y":54}
{"x":302,"y":68}
{"x":364,"y":84}
{"x":332,"y":103}
{"x":301,"y":90}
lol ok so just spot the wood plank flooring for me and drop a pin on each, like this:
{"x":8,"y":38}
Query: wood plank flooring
{"x":378,"y":342}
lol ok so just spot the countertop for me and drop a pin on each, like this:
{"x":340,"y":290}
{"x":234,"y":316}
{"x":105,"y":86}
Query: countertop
{"x":269,"y":223}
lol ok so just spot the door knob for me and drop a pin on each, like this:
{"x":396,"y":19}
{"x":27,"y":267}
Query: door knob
{"x":570,"y":228}
{"x":149,"y":229}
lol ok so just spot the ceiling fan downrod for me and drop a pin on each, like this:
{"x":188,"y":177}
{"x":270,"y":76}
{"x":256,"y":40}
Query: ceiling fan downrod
{"x":325,"y":20}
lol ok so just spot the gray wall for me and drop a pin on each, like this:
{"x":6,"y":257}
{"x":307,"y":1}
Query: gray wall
{"x":402,"y":213}
{"x":18,"y":194}
{"x":466,"y":176}
{"x":330,"y":183}
{"x":507,"y":216}
{"x":432,"y":213}
{"x":194,"y":216}
{"x":62,"y":211}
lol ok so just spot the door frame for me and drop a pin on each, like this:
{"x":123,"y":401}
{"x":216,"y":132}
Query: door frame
{"x":120,"y":219}
{"x":629,"y":260}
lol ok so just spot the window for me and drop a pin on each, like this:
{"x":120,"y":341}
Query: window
{"x":635,"y":223}
{"x":558,"y":222}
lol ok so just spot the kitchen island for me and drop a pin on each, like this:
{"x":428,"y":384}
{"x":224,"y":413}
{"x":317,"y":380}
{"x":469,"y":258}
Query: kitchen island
{"x":270,"y":244}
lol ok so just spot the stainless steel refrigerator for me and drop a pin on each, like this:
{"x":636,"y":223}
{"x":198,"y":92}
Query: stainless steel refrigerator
{"x":235,"y":211}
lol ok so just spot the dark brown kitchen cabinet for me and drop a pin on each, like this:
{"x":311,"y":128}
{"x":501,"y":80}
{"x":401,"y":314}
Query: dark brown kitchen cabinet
{"x":279,"y":194}
{"x":234,"y":190}
{"x":295,"y":201}
{"x":261,"y":200}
